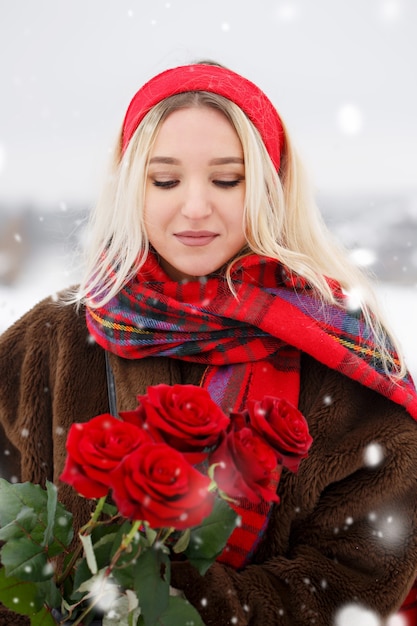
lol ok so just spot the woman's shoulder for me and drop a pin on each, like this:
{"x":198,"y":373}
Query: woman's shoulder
{"x":53,"y":316}
{"x":338,"y":404}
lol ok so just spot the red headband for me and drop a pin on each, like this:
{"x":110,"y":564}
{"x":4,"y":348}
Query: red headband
{"x":213,"y":79}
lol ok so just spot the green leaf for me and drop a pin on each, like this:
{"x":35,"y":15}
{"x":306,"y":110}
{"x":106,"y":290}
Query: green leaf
{"x":208,"y":540}
{"x":31,"y":596}
{"x":124,"y":571}
{"x":23,"y":524}
{"x":151,"y":583}
{"x":89,"y":552}
{"x":178,"y":613}
{"x":122,"y":531}
{"x":14,"y":496}
{"x":182,"y":542}
{"x":51,"y":508}
{"x":48,"y":593}
{"x":21,"y":597}
{"x":83,"y":573}
{"x":150,"y":533}
{"x":110,"y":509}
{"x":104,"y":530}
{"x":26,"y":560}
{"x":43,"y":618}
{"x":35,"y":528}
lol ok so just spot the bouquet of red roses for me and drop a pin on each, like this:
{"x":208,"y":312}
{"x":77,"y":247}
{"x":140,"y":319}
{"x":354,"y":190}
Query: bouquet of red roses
{"x":164,"y":477}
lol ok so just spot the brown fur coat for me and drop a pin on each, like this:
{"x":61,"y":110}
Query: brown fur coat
{"x":343,"y":532}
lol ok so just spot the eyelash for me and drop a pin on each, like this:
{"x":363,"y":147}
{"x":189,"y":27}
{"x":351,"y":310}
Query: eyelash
{"x":169,"y":184}
{"x":164,"y":184}
{"x":228,"y":183}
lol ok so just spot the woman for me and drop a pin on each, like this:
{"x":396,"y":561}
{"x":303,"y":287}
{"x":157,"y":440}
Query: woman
{"x":208,"y":264}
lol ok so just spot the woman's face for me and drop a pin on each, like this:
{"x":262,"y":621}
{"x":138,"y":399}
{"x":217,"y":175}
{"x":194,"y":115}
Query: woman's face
{"x":195,"y":193}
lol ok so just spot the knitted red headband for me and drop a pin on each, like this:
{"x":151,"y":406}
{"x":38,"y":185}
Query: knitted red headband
{"x":213,"y":79}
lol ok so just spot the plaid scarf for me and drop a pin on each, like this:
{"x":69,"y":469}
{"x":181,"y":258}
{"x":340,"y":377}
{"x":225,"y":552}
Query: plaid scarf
{"x":251,"y":344}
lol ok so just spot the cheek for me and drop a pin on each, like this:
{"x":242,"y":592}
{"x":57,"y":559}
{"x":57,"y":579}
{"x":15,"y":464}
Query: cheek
{"x":157,"y":215}
{"x":238,"y":236}
{"x":152,"y":204}
{"x":235,"y":217}
{"x":153,"y":221}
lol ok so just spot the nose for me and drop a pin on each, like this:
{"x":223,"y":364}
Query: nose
{"x":196,"y":202}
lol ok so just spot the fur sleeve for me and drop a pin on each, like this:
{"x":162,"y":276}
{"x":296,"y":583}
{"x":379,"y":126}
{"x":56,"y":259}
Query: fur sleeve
{"x":25,"y":395}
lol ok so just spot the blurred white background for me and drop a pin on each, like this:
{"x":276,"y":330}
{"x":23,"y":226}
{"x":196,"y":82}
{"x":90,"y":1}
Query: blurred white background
{"x":341,"y":73}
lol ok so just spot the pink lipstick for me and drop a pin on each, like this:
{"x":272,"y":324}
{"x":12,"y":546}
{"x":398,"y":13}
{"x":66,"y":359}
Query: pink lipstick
{"x":195,"y":237}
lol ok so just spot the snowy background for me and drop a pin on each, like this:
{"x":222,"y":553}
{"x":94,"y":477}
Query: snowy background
{"x":341,"y":73}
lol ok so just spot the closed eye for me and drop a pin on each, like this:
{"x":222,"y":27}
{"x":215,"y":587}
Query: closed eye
{"x":165,"y":184}
{"x":228,"y":183}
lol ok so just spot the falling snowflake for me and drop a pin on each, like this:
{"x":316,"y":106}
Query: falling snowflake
{"x":397,"y":620}
{"x":363,"y":257}
{"x":103,"y":592}
{"x":287,"y":12}
{"x":350,"y":119}
{"x":390,"y":10}
{"x":373,"y":455}
{"x":353,"y":299}
{"x":48,"y":570}
{"x":356,"y":614}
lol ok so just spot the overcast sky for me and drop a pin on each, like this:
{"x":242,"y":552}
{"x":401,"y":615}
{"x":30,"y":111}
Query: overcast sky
{"x":342,"y":73}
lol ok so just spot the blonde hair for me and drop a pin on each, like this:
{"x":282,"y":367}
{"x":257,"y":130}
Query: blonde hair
{"x":281,"y":219}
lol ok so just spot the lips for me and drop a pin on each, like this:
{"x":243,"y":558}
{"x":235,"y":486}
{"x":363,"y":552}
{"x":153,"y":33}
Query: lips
{"x":195,"y":237}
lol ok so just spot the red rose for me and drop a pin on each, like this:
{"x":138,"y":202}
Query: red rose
{"x":95,"y":449}
{"x":157,"y":484}
{"x":246,"y":465}
{"x":184,"y":416}
{"x":284,"y":427}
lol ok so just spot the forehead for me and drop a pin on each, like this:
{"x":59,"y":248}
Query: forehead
{"x":198,"y":126}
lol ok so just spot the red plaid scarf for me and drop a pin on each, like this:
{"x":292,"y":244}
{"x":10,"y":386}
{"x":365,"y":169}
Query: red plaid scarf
{"x":251,"y":344}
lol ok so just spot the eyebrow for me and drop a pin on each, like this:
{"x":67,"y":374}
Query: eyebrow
{"x":218,"y":161}
{"x":167,"y":160}
{"x":226,"y":160}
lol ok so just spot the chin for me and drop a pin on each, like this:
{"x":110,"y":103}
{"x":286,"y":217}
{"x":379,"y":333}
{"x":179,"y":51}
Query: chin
{"x":197,"y":275}
{"x":192,"y":272}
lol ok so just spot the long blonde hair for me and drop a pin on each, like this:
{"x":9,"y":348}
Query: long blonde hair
{"x":281,"y":219}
